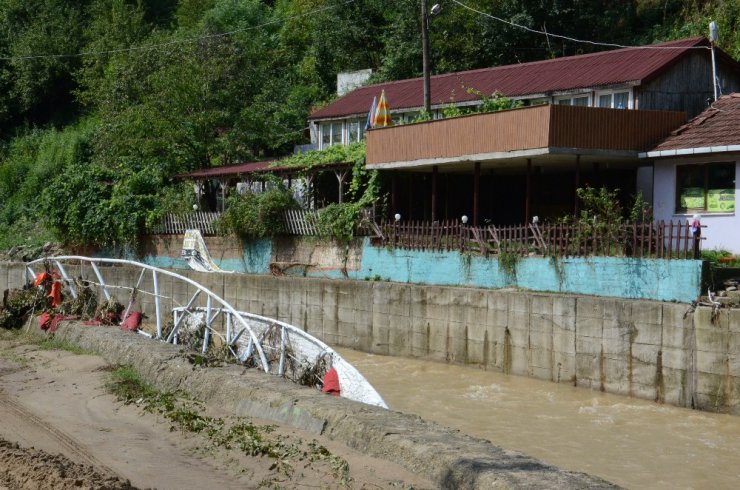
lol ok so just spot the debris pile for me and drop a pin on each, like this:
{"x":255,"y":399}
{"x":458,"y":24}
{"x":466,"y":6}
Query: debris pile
{"x":26,"y":253}
{"x":726,"y":297}
{"x":47,"y":298}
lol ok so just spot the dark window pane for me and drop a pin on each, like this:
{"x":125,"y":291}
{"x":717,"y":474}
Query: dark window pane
{"x":721,"y":188}
{"x":689,"y":188}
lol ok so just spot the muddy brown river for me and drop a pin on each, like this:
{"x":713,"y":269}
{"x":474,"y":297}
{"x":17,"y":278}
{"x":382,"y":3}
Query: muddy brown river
{"x":633,"y":443}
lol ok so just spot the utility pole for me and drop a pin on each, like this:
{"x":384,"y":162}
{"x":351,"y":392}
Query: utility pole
{"x":713,"y":38}
{"x":425,"y":56}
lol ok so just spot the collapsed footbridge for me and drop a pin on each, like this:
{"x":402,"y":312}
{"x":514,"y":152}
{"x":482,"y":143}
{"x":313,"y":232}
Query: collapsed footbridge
{"x":205,"y":321}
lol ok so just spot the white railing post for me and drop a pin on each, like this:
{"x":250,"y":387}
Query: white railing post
{"x":157,"y":304}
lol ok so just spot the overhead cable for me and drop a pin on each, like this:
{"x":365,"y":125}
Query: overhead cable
{"x":567,"y":38}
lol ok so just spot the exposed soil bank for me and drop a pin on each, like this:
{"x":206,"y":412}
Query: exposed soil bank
{"x":55,"y":406}
{"x":28,"y":468}
{"x":447,"y":457}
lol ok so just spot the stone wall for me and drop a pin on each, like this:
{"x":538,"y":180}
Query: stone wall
{"x":652,"y":350}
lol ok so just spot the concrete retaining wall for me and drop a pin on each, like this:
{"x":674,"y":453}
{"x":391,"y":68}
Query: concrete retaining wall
{"x":619,"y":277}
{"x":451,"y":459}
{"x":657,"y":351}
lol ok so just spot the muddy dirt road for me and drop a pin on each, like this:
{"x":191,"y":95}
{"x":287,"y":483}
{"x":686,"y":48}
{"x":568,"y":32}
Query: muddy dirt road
{"x":56,"y":402}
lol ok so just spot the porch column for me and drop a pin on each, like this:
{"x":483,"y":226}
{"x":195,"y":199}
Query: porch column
{"x":577,"y":184}
{"x":341,"y":176}
{"x":447,"y":196}
{"x":309,"y":190}
{"x":528,"y":193}
{"x":435,"y":171}
{"x":411,"y":197}
{"x":476,"y":192}
{"x":394,"y":191}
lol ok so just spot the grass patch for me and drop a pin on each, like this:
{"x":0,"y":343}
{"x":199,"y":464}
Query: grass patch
{"x":14,"y":338}
{"x":50,"y":343}
{"x":231,"y":433}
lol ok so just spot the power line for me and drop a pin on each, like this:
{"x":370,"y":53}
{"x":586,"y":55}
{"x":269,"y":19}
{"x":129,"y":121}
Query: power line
{"x":171,"y":43}
{"x":567,"y":38}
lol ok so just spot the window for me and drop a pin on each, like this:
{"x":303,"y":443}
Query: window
{"x":709,"y":188}
{"x":615,"y":100}
{"x":331,"y":134}
{"x":355,"y":130}
{"x":579,"y":100}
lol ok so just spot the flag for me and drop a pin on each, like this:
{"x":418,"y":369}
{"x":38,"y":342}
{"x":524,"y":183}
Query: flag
{"x":382,"y":113}
{"x":371,"y":114}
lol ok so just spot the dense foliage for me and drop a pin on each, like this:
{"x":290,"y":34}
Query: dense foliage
{"x":103,"y":102}
{"x":256,"y":215}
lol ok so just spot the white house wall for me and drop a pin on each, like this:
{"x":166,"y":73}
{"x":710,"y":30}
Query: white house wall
{"x":723,"y":230}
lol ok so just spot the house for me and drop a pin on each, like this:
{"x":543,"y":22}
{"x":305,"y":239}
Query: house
{"x":509,"y":166}
{"x":697,"y":169}
{"x":671,"y":76}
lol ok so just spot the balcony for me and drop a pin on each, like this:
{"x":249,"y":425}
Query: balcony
{"x":551,"y":133}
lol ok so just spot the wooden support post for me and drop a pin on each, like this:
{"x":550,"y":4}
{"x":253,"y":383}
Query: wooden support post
{"x":597,"y":175}
{"x":411,"y":198}
{"x":447,"y":196}
{"x":435,"y":171}
{"x":476,"y":192}
{"x":528,"y":193}
{"x":577,"y":184}
{"x":341,"y":176}
{"x":394,"y":192}
{"x":309,"y":190}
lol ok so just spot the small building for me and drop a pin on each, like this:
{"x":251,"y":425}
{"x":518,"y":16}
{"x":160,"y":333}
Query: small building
{"x":696,"y":171}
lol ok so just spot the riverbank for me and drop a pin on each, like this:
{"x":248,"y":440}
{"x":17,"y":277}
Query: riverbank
{"x":62,"y":429}
{"x":446,"y":457}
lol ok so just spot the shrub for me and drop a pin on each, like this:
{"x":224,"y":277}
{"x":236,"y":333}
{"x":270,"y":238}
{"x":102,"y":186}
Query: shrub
{"x":256,"y":215}
{"x":339,"y":220}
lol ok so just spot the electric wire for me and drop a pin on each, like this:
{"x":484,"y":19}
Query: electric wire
{"x":568,"y":38}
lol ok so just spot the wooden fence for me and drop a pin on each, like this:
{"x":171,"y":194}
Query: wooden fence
{"x":304,"y":222}
{"x":300,"y":222}
{"x":657,"y":239}
{"x":173,"y":224}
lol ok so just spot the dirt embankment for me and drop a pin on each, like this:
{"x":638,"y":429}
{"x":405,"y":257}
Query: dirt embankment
{"x":60,"y":428}
{"x":28,"y":468}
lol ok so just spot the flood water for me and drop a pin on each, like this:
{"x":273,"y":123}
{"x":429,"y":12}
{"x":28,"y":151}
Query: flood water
{"x":633,"y":443}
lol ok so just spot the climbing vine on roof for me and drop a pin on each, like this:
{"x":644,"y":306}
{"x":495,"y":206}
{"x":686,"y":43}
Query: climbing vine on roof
{"x":354,"y":154}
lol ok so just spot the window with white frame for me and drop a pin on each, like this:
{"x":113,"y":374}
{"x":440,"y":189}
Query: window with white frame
{"x":355,"y":130}
{"x":331,"y":134}
{"x":579,"y":100}
{"x":616,"y":99}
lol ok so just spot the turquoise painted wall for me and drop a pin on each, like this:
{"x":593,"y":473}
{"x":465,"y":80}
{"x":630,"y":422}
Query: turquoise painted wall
{"x":255,"y":259}
{"x":662,"y":280}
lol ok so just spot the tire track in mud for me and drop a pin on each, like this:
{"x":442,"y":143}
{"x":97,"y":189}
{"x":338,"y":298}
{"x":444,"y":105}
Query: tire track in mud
{"x":71,"y":448}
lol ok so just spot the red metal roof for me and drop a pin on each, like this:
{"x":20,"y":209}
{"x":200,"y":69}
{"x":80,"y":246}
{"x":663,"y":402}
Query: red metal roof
{"x":254,"y":168}
{"x":717,"y":126}
{"x":628,"y":65}
{"x":240,"y":168}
